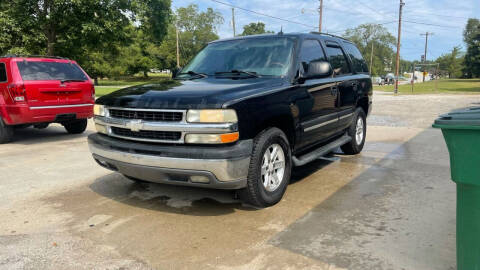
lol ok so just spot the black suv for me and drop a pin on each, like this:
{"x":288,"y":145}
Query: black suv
{"x":240,"y":115}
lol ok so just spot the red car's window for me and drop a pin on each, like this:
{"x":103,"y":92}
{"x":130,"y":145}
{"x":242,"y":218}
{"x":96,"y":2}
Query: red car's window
{"x":3,"y":73}
{"x":45,"y":71}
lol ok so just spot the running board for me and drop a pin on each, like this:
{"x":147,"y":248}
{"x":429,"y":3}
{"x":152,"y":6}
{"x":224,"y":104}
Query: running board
{"x":319,"y":152}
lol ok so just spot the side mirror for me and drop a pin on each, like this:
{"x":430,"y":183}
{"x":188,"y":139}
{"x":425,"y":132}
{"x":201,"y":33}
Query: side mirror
{"x":319,"y":69}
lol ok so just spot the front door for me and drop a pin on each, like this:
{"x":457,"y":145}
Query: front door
{"x":318,"y":112}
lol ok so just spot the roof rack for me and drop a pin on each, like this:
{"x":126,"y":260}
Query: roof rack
{"x":327,"y":34}
{"x":33,"y":56}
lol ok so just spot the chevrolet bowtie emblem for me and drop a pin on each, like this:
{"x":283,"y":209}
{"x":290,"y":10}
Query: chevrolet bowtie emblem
{"x":135,"y":125}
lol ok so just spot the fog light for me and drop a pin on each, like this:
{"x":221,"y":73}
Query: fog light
{"x":101,"y":129}
{"x":199,"y":179}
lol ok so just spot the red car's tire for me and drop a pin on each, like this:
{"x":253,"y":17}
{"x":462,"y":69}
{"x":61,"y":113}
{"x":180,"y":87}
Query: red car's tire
{"x":76,"y":127}
{"x":6,"y":132}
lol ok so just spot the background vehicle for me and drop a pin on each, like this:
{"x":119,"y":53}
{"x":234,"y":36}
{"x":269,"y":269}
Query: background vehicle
{"x":42,"y":90}
{"x":240,"y":115}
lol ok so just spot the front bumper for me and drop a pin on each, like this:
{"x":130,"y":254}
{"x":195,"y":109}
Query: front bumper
{"x":221,"y":167}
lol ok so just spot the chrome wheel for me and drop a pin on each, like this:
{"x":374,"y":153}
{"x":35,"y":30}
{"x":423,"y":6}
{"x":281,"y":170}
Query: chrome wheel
{"x":359,"y":131}
{"x":273,"y":167}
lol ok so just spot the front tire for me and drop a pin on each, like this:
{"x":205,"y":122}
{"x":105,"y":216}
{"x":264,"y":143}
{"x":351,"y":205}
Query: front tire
{"x":6,"y":132}
{"x":270,"y":169}
{"x":358,"y":132}
{"x":76,"y":127}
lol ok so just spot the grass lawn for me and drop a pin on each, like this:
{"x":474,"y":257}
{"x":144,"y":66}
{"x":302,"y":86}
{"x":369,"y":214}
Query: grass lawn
{"x":106,"y":86}
{"x":105,"y":90}
{"x":448,"y":86}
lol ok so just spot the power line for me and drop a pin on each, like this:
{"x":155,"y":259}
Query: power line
{"x":435,"y":14}
{"x":431,"y":24}
{"x":263,"y":14}
{"x":374,"y":10}
{"x":341,"y":31}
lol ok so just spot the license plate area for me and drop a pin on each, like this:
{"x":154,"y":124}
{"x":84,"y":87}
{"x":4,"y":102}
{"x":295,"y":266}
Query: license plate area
{"x":65,"y":117}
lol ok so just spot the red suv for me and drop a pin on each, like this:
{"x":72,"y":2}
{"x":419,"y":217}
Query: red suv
{"x":37,"y":91}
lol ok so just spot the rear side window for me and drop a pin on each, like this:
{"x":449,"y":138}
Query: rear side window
{"x":311,"y":51}
{"x":3,"y":73}
{"x":47,"y":71}
{"x":338,"y":60}
{"x":358,"y":63}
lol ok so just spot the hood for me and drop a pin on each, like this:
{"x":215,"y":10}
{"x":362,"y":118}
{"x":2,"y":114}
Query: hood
{"x":193,"y":94}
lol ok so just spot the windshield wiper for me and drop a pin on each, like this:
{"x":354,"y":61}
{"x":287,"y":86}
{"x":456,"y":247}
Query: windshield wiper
{"x":71,"y":80}
{"x":236,"y":71}
{"x":194,"y":74}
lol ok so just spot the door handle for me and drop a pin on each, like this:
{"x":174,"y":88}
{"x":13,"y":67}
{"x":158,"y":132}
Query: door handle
{"x":355,"y":86}
{"x":334,"y":90}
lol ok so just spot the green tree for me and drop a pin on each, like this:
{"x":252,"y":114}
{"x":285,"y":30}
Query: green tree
{"x":255,"y":29}
{"x":452,"y":62}
{"x":84,"y":30}
{"x":471,"y":36}
{"x":195,"y":29}
{"x":366,"y":35}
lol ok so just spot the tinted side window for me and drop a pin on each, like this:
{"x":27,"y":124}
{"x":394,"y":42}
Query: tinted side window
{"x":311,"y":51}
{"x":3,"y":73}
{"x":358,"y":63}
{"x":338,"y":60}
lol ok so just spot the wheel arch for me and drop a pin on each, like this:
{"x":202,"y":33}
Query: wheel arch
{"x":364,"y":103}
{"x":284,"y":122}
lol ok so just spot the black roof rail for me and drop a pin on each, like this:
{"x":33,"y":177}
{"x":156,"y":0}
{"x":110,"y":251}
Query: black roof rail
{"x":327,"y":34}
{"x":32,"y":56}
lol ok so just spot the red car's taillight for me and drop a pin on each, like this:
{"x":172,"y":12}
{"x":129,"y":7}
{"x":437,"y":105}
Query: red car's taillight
{"x":93,"y":92}
{"x":17,"y":92}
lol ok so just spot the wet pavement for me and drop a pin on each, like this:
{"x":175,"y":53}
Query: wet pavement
{"x":391,"y":207}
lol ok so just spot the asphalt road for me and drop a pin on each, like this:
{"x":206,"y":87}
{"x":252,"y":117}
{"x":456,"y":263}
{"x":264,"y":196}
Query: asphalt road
{"x":391,"y":207}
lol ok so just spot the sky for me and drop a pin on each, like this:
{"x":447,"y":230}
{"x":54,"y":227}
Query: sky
{"x":447,"y":19}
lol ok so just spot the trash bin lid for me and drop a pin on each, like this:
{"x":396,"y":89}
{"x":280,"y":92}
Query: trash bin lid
{"x":462,"y":118}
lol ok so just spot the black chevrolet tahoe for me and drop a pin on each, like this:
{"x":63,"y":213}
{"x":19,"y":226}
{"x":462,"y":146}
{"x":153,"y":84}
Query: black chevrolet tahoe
{"x":240,"y":115}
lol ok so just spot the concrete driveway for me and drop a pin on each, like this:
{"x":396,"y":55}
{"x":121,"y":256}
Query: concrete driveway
{"x":391,"y":207}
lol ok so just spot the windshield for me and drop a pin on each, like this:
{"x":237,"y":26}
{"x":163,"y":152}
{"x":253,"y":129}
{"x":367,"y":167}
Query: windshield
{"x":270,"y":56}
{"x":46,"y":71}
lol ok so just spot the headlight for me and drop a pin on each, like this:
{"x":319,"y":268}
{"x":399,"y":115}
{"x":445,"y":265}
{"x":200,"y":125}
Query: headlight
{"x":211,"y":138}
{"x":99,"y":110}
{"x":212,"y":116}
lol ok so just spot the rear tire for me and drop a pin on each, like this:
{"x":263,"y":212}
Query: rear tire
{"x":270,"y":169}
{"x":76,"y":127}
{"x":6,"y":132}
{"x":358,"y":132}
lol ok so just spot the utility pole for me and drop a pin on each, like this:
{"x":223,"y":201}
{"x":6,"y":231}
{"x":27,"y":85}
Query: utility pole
{"x":371,"y":59}
{"x":233,"y":22}
{"x":178,"y":50}
{"x":371,"y":55}
{"x":425,"y":55}
{"x":398,"y":45}
{"x":320,"y":10}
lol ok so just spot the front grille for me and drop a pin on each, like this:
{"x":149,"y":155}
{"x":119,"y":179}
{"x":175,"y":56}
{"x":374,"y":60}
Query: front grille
{"x":152,"y":116}
{"x":147,"y":134}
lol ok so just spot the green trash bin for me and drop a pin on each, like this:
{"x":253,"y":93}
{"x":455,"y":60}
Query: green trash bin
{"x":461,"y":130}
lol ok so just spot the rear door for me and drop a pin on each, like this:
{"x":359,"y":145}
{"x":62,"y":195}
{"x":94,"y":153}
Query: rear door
{"x":54,"y":82}
{"x":346,"y":83}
